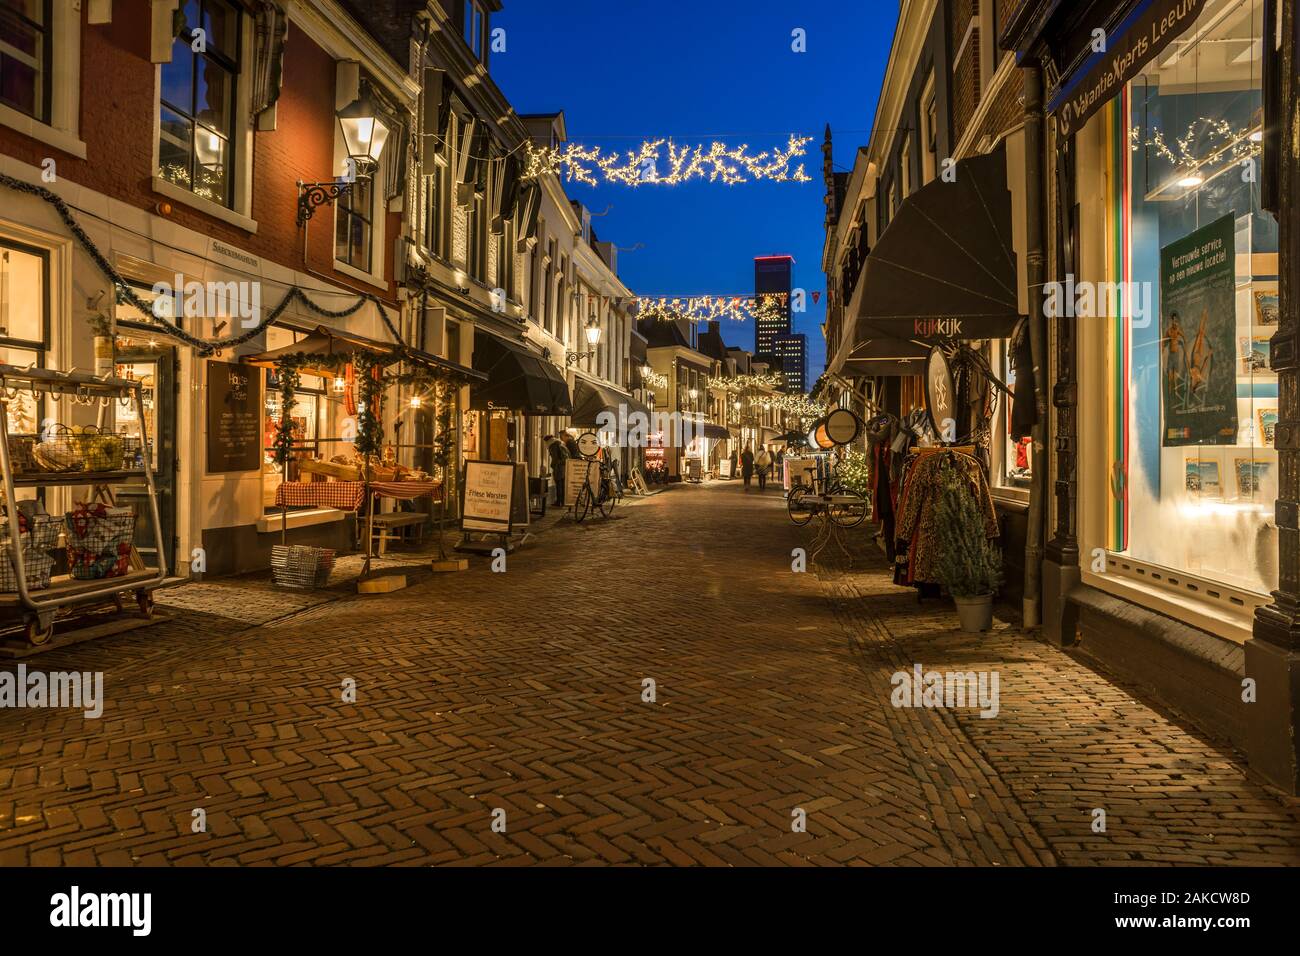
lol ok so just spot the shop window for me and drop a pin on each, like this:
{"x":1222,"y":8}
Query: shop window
{"x":26,"y":45}
{"x":196,"y":129}
{"x":309,"y":416}
{"x":1012,"y":459}
{"x":353,"y":225}
{"x":1193,"y":467}
{"x":24,"y":324}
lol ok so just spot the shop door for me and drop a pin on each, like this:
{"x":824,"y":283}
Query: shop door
{"x":156,"y":372}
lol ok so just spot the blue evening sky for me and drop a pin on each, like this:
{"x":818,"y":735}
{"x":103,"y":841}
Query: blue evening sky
{"x":628,"y":70}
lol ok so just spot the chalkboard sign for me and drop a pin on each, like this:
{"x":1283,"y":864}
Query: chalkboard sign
{"x":234,"y":417}
{"x":519,"y":514}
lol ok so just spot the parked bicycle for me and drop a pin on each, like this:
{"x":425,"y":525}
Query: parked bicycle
{"x":827,"y":496}
{"x":602,"y":498}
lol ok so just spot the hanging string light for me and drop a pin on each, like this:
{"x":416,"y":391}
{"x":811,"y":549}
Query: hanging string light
{"x":706,"y":308}
{"x":680,"y":164}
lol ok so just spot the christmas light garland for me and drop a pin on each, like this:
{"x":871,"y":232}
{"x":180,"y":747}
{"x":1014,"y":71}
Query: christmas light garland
{"x":707,"y":308}
{"x":204,"y":347}
{"x":641,"y":167}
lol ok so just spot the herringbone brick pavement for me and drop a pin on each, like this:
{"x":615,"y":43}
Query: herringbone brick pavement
{"x":522,"y":692}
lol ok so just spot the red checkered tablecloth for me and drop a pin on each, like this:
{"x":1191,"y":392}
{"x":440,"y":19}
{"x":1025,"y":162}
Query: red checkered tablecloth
{"x":345,"y":495}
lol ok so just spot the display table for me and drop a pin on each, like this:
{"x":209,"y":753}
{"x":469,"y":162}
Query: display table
{"x":349,"y":495}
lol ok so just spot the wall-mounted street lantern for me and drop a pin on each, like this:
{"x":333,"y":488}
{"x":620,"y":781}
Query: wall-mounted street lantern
{"x":592,"y":332}
{"x":364,"y":135}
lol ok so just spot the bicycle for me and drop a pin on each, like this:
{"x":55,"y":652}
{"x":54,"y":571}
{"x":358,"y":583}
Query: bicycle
{"x":826,"y":495}
{"x":590,"y":500}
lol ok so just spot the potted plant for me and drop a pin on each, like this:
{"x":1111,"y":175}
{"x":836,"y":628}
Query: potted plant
{"x":968,"y":563}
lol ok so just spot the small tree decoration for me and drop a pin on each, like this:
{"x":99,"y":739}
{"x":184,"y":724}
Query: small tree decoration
{"x":968,"y":564}
{"x":854,"y":474}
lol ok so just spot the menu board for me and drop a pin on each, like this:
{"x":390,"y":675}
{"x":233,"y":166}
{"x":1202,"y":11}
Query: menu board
{"x":234,"y":418}
{"x":486,"y":496}
{"x":576,"y":472}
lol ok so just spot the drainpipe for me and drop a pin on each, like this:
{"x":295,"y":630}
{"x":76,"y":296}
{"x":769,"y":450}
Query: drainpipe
{"x":1035,"y":270}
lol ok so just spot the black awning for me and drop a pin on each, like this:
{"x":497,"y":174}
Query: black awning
{"x":714,"y":432}
{"x":880,"y":357}
{"x":591,"y":399}
{"x":944,"y":267}
{"x":517,"y":378}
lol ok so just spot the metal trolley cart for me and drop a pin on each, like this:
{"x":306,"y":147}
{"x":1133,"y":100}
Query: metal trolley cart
{"x":36,"y":607}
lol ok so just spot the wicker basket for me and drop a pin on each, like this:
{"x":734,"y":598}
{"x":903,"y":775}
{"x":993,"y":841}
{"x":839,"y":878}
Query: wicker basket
{"x":300,"y":566}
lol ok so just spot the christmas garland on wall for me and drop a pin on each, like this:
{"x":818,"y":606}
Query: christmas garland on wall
{"x":204,"y":347}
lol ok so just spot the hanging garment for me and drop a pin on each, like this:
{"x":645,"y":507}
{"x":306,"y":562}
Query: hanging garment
{"x":917,"y":521}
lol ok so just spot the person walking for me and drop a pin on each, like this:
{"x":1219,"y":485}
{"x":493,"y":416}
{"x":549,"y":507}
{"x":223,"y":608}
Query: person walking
{"x":763,"y":465}
{"x":571,"y":444}
{"x":747,"y":465}
{"x":559,"y":455}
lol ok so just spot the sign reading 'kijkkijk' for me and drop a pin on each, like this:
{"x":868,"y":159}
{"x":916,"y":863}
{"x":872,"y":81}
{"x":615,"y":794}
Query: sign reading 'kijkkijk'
{"x":1117,"y":58}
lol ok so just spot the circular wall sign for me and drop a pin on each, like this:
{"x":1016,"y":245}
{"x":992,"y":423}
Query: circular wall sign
{"x":842,"y":426}
{"x":940,"y":396}
{"x":588,"y":444}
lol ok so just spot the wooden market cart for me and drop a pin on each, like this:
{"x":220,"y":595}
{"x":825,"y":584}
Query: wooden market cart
{"x":36,"y":607}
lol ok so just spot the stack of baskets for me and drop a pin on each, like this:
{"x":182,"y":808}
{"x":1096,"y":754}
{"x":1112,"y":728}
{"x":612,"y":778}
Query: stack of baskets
{"x":300,"y":566}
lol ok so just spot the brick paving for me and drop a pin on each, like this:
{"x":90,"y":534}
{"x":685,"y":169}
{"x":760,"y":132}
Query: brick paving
{"x":522,"y":692}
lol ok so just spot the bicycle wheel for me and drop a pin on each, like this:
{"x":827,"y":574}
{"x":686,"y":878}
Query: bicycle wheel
{"x":799,"y":505}
{"x":849,"y":509}
{"x":605,"y":504}
{"x":582,"y":506}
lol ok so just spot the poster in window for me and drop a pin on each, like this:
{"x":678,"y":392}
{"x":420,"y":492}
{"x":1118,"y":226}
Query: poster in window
{"x":1198,"y":342}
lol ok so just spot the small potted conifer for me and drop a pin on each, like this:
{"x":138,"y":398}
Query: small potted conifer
{"x":968,"y":564}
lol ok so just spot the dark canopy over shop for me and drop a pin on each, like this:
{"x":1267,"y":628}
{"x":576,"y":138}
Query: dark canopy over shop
{"x":518,"y":379}
{"x":944,"y":267}
{"x":591,"y":399}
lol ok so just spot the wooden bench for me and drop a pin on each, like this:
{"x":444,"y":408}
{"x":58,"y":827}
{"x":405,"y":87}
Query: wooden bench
{"x":391,"y":527}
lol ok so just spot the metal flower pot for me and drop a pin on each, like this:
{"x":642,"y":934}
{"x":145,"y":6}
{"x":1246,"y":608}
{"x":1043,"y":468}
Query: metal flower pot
{"x":975,"y":613}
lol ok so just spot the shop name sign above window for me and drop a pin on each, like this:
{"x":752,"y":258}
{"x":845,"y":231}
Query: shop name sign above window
{"x":1117,"y":57}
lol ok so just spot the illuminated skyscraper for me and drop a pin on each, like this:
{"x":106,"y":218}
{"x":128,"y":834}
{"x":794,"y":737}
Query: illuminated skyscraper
{"x":773,"y":276}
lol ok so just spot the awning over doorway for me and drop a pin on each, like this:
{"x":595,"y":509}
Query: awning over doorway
{"x":944,"y":267}
{"x":711,"y":431}
{"x":333,"y":344}
{"x":518,"y":379}
{"x":591,"y":399}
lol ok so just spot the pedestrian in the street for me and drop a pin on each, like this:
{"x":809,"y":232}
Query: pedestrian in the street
{"x":559,"y":455}
{"x":747,"y":465}
{"x":763,"y":465}
{"x":571,"y":444}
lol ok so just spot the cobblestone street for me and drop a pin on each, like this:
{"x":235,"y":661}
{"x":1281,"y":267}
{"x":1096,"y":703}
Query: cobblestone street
{"x":522,"y":692}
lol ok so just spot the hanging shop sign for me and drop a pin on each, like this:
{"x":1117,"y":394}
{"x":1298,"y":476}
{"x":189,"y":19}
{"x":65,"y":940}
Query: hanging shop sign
{"x":1118,"y":56}
{"x":1198,"y":323}
{"x":487,"y":494}
{"x":940,"y":394}
{"x":234,"y":418}
{"x":588,"y":444}
{"x":842,"y":426}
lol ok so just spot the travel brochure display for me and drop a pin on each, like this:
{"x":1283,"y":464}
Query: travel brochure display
{"x":1198,"y":329}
